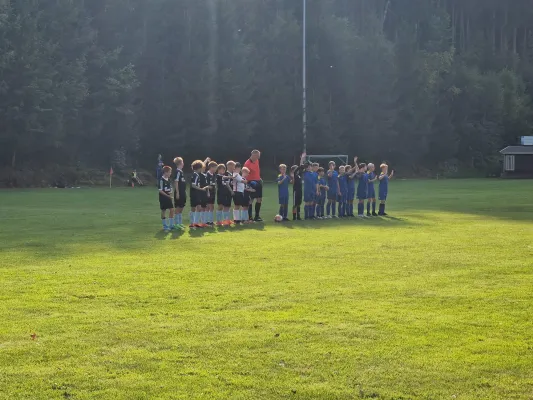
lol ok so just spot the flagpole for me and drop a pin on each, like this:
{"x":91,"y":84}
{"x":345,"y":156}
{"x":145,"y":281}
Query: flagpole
{"x":304,"y":75}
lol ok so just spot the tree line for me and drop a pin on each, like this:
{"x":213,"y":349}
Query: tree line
{"x":425,"y":84}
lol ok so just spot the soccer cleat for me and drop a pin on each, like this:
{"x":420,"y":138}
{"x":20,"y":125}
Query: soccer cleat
{"x":192,"y":226}
{"x":374,"y":214}
{"x":286,"y":219}
{"x":201,"y":225}
{"x":219,"y":223}
{"x":368,"y":214}
{"x":258,"y":219}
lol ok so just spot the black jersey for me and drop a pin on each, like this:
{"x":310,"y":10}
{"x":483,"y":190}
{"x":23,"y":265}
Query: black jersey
{"x":297,"y":180}
{"x":211,"y":180}
{"x":180,"y":179}
{"x":203,"y":180}
{"x":228,"y":180}
{"x":195,"y":182}
{"x":220,"y":182}
{"x":165,"y":185}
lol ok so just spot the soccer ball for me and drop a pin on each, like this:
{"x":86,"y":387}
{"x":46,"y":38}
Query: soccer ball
{"x":278,"y":218}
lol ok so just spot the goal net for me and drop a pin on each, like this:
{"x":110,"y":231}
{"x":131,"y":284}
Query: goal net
{"x":324,"y":159}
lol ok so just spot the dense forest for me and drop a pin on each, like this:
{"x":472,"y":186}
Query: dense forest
{"x":429,"y":85}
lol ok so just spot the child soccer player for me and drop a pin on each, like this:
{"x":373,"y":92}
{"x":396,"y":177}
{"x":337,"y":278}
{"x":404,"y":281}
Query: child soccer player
{"x":383,"y":187}
{"x":205,"y":187}
{"x":223,"y":196}
{"x":197,"y":193}
{"x":314,"y":169}
{"x":310,"y":191}
{"x":283,"y":191}
{"x":362,"y":189}
{"x":246,"y":217}
{"x":371,"y":191}
{"x":322,"y":186}
{"x":297,"y":191}
{"x":238,"y":195}
{"x":230,"y":171}
{"x":350,"y":177}
{"x":334,"y":190}
{"x":165,"y":198}
{"x":343,"y":186}
{"x":180,"y":194}
{"x":211,"y":192}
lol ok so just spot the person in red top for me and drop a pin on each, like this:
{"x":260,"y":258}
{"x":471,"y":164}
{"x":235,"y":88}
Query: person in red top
{"x":255,"y":181}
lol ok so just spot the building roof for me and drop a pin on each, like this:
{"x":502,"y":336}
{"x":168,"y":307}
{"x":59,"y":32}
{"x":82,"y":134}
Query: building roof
{"x":517,"y":150}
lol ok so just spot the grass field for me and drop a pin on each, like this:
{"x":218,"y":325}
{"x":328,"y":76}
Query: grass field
{"x":433,"y":303}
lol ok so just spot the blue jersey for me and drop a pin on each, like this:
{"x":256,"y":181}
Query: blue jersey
{"x":351,"y":183}
{"x":309,"y":182}
{"x":322,"y":182}
{"x":332,"y":181}
{"x":371,"y":190}
{"x":343,"y":184}
{"x":383,"y":186}
{"x":283,"y":187}
{"x":362,"y":186}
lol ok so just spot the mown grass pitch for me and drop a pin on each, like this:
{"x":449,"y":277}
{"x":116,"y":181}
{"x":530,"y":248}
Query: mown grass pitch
{"x":434,"y":303}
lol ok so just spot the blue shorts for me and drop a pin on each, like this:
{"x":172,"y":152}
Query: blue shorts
{"x":371,"y":192}
{"x":321,"y":200}
{"x":351,"y":194}
{"x":284,"y":200}
{"x":362,"y":195}
{"x":332,"y":195}
{"x":309,"y":197}
{"x":382,"y":196}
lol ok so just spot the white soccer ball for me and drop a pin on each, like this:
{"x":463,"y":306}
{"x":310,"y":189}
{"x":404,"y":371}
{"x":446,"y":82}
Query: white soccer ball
{"x":278,"y":218}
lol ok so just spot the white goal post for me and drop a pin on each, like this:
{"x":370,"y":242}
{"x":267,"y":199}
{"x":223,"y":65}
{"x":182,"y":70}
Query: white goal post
{"x":340,"y":159}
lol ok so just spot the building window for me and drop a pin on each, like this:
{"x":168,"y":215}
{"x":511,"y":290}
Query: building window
{"x":509,"y":163}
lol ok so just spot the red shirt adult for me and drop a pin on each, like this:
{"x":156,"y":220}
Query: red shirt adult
{"x":255,"y":170}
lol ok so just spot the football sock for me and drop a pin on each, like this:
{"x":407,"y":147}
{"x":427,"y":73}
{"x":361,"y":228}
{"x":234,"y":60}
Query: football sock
{"x":293,"y":214}
{"x":236,"y":215}
{"x":219,"y":216}
{"x":281,"y":212}
{"x":298,"y":212}
{"x":257,"y":210}
{"x":360,"y":208}
{"x":171,"y":223}
{"x":306,"y":212}
{"x":180,"y":219}
{"x":286,"y":211}
{"x":311,"y":211}
{"x":340,"y":209}
{"x":368,"y":207}
{"x":193,"y":217}
{"x":381,"y":209}
{"x":176,"y":219}
{"x":164,"y":221}
{"x":373,"y":206}
{"x":333,"y":208}
{"x":250,"y":211}
{"x":328,"y":208}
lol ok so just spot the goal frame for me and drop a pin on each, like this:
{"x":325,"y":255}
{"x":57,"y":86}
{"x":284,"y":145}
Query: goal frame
{"x":342,"y":158}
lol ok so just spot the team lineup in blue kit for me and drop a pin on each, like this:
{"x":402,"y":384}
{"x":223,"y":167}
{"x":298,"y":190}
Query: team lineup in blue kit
{"x":217,"y":188}
{"x":332,"y":193}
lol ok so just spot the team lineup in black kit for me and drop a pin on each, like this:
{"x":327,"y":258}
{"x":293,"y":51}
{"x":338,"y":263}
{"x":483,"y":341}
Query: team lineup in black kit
{"x":214,"y":188}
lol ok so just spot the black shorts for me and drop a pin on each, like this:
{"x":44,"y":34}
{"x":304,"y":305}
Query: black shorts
{"x":247,"y":196}
{"x":258,"y":186}
{"x":165,"y":203}
{"x":196,"y":198}
{"x":211,"y":198}
{"x":238,"y":199}
{"x":224,"y":199}
{"x":297,"y":198}
{"x":181,"y":202}
{"x":203,"y":199}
